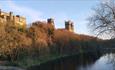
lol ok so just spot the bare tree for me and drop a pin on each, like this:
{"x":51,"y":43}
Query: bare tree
{"x":103,"y":20}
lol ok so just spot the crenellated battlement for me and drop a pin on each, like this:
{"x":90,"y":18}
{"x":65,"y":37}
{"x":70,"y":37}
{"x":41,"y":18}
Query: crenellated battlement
{"x":16,"y":19}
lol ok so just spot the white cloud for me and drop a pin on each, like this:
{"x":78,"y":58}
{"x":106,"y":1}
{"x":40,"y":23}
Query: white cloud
{"x":29,"y":13}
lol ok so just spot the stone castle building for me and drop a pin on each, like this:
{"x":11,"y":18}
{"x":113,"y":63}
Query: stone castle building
{"x":20,"y":21}
{"x":68,"y":25}
{"x":17,"y":20}
{"x":50,"y":21}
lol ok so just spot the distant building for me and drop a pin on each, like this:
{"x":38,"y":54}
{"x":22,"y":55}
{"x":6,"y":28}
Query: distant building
{"x":68,"y":25}
{"x":20,"y":21}
{"x":50,"y":21}
{"x":16,"y":20}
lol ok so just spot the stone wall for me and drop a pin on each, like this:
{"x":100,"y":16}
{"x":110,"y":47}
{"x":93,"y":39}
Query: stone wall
{"x":16,"y":19}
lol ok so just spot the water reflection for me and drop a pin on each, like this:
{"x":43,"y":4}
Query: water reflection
{"x":106,"y":62}
{"x":68,"y":63}
{"x":86,"y":61}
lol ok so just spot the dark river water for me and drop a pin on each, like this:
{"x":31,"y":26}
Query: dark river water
{"x":86,"y":61}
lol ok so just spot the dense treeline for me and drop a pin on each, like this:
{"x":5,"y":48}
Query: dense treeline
{"x":41,"y":42}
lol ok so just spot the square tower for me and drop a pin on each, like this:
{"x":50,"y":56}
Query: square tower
{"x":69,"y":26}
{"x":50,"y":21}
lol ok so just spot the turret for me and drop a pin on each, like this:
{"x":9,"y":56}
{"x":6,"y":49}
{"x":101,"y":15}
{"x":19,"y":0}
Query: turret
{"x":17,"y":15}
{"x":11,"y":15}
{"x":69,"y":26}
{"x":50,"y":21}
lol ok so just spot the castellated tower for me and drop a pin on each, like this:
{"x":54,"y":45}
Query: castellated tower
{"x":50,"y":21}
{"x":69,"y":26}
{"x":17,"y":20}
{"x":11,"y":16}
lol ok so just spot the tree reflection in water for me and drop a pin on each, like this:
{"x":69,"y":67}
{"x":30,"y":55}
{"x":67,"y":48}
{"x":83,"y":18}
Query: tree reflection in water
{"x":111,"y":60}
{"x":87,"y":61}
{"x":69,"y":63}
{"x":106,"y":62}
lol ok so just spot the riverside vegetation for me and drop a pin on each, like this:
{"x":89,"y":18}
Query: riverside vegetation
{"x":40,"y":43}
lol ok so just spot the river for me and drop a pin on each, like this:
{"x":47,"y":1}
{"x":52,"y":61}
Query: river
{"x":86,"y":61}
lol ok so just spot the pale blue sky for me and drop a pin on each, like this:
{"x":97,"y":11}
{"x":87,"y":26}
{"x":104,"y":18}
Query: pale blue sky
{"x":61,"y":10}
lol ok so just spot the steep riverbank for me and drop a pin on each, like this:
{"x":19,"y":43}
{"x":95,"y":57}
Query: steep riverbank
{"x":57,"y":60}
{"x":41,"y":43}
